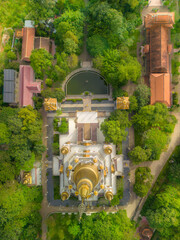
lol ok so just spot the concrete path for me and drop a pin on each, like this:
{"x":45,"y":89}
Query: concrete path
{"x":155,"y":3}
{"x":136,"y":203}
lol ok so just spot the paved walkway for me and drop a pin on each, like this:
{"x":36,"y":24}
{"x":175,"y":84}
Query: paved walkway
{"x":155,"y":3}
{"x":136,"y":203}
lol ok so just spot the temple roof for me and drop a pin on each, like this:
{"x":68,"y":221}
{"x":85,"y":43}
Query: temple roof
{"x":160,"y":88}
{"x":122,"y":103}
{"x":50,"y":104}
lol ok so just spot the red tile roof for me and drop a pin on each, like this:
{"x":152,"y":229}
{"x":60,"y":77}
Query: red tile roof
{"x":27,"y":86}
{"x":165,"y":18}
{"x":27,"y":43}
{"x":160,"y":88}
{"x":42,"y":42}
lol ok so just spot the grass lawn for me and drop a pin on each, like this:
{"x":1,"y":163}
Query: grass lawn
{"x":56,"y":187}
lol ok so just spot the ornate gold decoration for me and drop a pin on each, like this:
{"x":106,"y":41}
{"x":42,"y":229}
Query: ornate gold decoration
{"x":101,"y":167}
{"x":50,"y":104}
{"x":109,"y":195}
{"x":64,"y":150}
{"x":70,"y":167}
{"x":112,"y":169}
{"x":122,"y":103}
{"x":70,"y":186}
{"x":76,"y":193}
{"x":64,"y":196}
{"x":95,"y":160}
{"x":76,"y":160}
{"x":61,"y":168}
{"x":102,"y":186}
{"x":108,"y":150}
{"x":86,"y":177}
{"x":27,"y":178}
{"x":95,"y":193}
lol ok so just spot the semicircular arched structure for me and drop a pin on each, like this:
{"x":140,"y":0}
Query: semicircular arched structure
{"x":85,"y":79}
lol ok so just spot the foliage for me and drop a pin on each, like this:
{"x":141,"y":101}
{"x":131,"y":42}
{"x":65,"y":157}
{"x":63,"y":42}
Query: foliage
{"x":114,"y":128}
{"x":49,"y":82}
{"x":7,"y":168}
{"x":97,"y":226}
{"x":20,"y":217}
{"x":96,"y":45}
{"x":53,"y":93}
{"x":63,"y":128}
{"x":142,"y":95}
{"x":69,"y":31}
{"x":108,"y":23}
{"x":138,"y":155}
{"x":143,"y":180}
{"x":41,"y":61}
{"x":23,"y":135}
{"x":175,"y":98}
{"x":9,"y":10}
{"x":155,"y":140}
{"x":40,"y":9}
{"x":162,"y":207}
{"x":4,"y":134}
{"x":118,"y":92}
{"x":154,"y":116}
{"x":63,"y":5}
{"x":11,"y":55}
{"x":120,"y":187}
{"x":38,"y":102}
{"x":133,"y":106}
{"x":123,"y":69}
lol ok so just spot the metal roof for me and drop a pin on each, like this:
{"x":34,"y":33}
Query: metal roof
{"x":9,"y":86}
{"x":29,"y":24}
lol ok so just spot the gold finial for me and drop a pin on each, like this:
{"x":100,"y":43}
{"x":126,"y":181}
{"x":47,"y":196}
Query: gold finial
{"x":101,"y":167}
{"x":70,"y":186}
{"x":95,"y":193}
{"x":109,"y":195}
{"x":70,"y":167}
{"x":76,"y":193}
{"x":64,"y":150}
{"x":95,"y":160}
{"x":108,"y":150}
{"x":64,"y":196}
{"x":102,"y":186}
{"x":76,"y":160}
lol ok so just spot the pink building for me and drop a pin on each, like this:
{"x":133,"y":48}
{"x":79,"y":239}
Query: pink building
{"x":28,"y":86}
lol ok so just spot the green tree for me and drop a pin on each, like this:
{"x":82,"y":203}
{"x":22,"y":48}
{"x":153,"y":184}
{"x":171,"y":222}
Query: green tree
{"x":19,"y":206}
{"x":7,"y":169}
{"x":143,"y":180}
{"x":164,"y":216}
{"x":55,"y":93}
{"x":155,"y":140}
{"x":49,"y":82}
{"x":142,"y":95}
{"x":96,"y":45}
{"x":114,"y":128}
{"x":41,"y":61}
{"x":113,"y":132}
{"x":118,"y":67}
{"x":4,"y":134}
{"x":138,"y":155}
{"x":133,"y":106}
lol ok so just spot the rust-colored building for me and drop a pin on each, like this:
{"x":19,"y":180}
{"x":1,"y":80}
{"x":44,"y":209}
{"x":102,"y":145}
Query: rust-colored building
{"x":158,"y":49}
{"x":27,"y":43}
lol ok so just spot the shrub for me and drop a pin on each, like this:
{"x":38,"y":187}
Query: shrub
{"x":175,"y":98}
{"x":64,"y":126}
{"x":49,"y":82}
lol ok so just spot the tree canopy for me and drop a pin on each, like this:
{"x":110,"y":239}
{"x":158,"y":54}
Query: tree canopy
{"x":114,"y":128}
{"x":97,"y":226}
{"x":19,"y":207}
{"x":118,"y":67}
{"x":143,"y":180}
{"x":142,"y":94}
{"x":41,"y":61}
{"x":138,"y":155}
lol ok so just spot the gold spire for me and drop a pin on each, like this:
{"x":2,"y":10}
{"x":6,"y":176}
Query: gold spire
{"x":64,"y":150}
{"x":64,"y":196}
{"x":108,"y":150}
{"x":109,"y":195}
